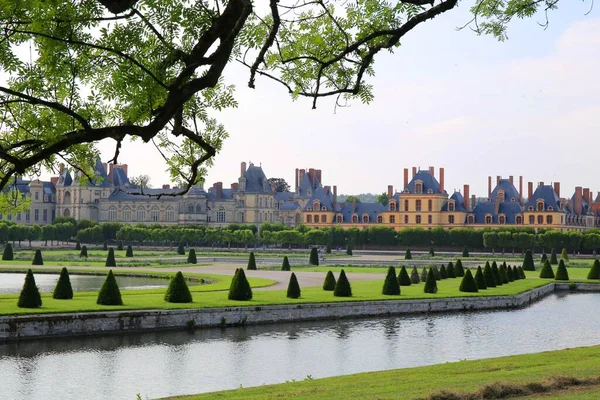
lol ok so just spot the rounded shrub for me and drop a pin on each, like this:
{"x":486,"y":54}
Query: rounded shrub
{"x":436,"y":273}
{"x":78,"y":245}
{"x":496,"y":273}
{"x":120,"y":245}
{"x":192,"y":259}
{"x":240,"y":287}
{"x":480,"y":279}
{"x":390,"y":284}
{"x":8,"y":255}
{"x":564,"y":255}
{"x":431,"y":252}
{"x":450,"y":271}
{"x":503,"y":274}
{"x":37,"y":258}
{"x":468,"y":283}
{"x":314,"y":257}
{"x":63,"y":289}
{"x":430,"y":283}
{"x":342,"y":286}
{"x":424,"y":274}
{"x":328,"y":249}
{"x":404,"y":279}
{"x":105,"y":245}
{"x":414,"y":275}
{"x":349,"y":249}
{"x":110,"y":258}
{"x":109,"y":294}
{"x":553,"y":258}
{"x":30,"y":294}
{"x":83,"y":252}
{"x":129,"y":251}
{"x":329,"y":282}
{"x":595,"y":270}
{"x":561,"y":272}
{"x":285,"y":265}
{"x":459,"y":271}
{"x":443,"y":273}
{"x":251,"y":262}
{"x":521,"y":273}
{"x":407,"y":255}
{"x":490,"y":278}
{"x":528,"y":264}
{"x":547,"y":271}
{"x":465,"y":253}
{"x":293,"y":290}
{"x":178,"y":291}
{"x":509,"y":273}
{"x":515,"y":272}
{"x":181,"y":249}
{"x":544,"y":258}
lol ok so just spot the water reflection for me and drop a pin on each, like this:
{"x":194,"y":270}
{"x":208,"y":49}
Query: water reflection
{"x":162,"y":364}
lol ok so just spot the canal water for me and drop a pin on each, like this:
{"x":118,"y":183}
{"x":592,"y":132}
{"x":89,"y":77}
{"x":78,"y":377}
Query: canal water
{"x":175,"y":363}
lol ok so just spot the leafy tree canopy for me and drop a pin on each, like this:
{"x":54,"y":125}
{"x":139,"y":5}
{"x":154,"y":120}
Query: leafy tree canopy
{"x":140,"y":181}
{"x":280,"y":184}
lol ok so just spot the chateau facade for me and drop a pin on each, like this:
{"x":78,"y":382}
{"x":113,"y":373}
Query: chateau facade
{"x":422,"y":202}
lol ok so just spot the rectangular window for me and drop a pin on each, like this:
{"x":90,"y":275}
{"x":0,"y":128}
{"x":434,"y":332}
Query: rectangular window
{"x":19,"y":216}
{"x":418,"y":219}
{"x":37,"y":196}
{"x":392,"y":219}
{"x":220,"y":216}
{"x":27,"y":216}
{"x":406,"y":219}
{"x":126,"y":215}
{"x":418,"y":205}
{"x":140,"y":215}
{"x":45,"y":215}
{"x":549,"y":219}
{"x":540,"y":219}
{"x":155,"y":215}
{"x":9,"y":217}
{"x":309,"y":219}
{"x":36,"y":215}
{"x":316,"y":219}
{"x":450,"y":219}
{"x":241,"y":203}
{"x":53,"y":215}
{"x":405,"y":205}
{"x":430,"y":205}
{"x":323,"y":218}
{"x":112,"y":215}
{"x":429,"y":219}
{"x":531,"y":220}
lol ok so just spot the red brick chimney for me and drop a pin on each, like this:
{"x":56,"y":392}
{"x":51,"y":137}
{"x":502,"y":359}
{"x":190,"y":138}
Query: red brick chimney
{"x":414,"y":171}
{"x":578,"y":198}
{"x":542,"y":183}
{"x":405,"y":178}
{"x":335,"y":196}
{"x":242,"y":169}
{"x":432,"y":171}
{"x":498,"y":177}
{"x":165,"y":187}
{"x":510,"y":179}
{"x":489,"y":187}
{"x":105,"y":166}
{"x":219,"y":189}
{"x":54,"y":180}
{"x":311,"y":175}
{"x":521,"y":187}
{"x":296,"y":179}
{"x":235,"y":186}
{"x":390,"y":191}
{"x":442,"y":180}
{"x":327,"y":189}
{"x":124,"y":167}
{"x":466,"y":196}
{"x":586,"y":195}
{"x":111,"y":168}
{"x":318,"y":174}
{"x":557,"y":188}
{"x":301,"y":177}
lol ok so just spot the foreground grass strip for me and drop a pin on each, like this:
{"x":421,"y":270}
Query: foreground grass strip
{"x":422,"y":382}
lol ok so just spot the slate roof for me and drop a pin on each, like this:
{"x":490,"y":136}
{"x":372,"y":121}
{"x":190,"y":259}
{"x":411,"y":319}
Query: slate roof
{"x":305,"y":185}
{"x":128,"y":195}
{"x":289,"y":206}
{"x":372,"y":209}
{"x":429,"y":182}
{"x":227,"y":194}
{"x":509,"y":208}
{"x":325,"y":197}
{"x":459,"y":202}
{"x":570,"y":208}
{"x":119,"y":177}
{"x":284,"y":196}
{"x":547,"y":193}
{"x":255,"y":178}
{"x":510,"y":191}
{"x":65,"y":178}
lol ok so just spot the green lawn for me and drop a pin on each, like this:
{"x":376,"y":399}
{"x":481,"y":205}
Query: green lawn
{"x":411,"y":383}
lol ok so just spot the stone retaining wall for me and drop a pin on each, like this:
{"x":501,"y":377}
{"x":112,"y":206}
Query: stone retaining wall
{"x":90,"y":323}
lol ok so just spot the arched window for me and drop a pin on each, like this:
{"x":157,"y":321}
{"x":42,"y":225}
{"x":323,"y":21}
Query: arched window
{"x":308,"y":208}
{"x":488,"y":219}
{"x":513,"y":199}
{"x":67,"y":199}
{"x":550,"y":208}
{"x":380,"y":219}
{"x":530,"y":208}
{"x":323,"y":208}
{"x":451,"y":205}
{"x":501,"y":195}
{"x":126,"y":213}
{"x":549,"y":219}
{"x":112,"y":213}
{"x":540,"y":219}
{"x":540,"y":205}
{"x":66,"y":212}
{"x":519,"y":219}
{"x":155,"y":214}
{"x":365,"y":219}
{"x":471,"y":219}
{"x":430,"y":191}
{"x":339,"y":218}
{"x":418,"y":187}
{"x":355,"y":219}
{"x":221,"y":215}
{"x":170,"y":214}
{"x":316,"y":205}
{"x":309,"y":219}
{"x":140,"y":214}
{"x":190,"y":208}
{"x":198,"y":209}
{"x":501,"y":219}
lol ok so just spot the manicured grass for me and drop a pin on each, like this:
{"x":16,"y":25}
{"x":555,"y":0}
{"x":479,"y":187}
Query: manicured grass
{"x":411,"y":383}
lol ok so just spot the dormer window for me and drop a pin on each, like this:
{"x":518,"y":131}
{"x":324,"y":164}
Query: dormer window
{"x":513,"y":199}
{"x":355,"y":219}
{"x":501,"y":195}
{"x":519,"y":219}
{"x":365,"y":219}
{"x":309,"y":208}
{"x":501,"y":219}
{"x":550,"y":208}
{"x":540,"y":205}
{"x":530,"y":208}
{"x":316,"y":205}
{"x":380,"y":219}
{"x":451,"y":206}
{"x":419,"y":187}
{"x":323,"y":208}
{"x":429,"y":191}
{"x":471,"y":219}
{"x":488,"y":219}
{"x":339,"y":218}
{"x":392,"y":206}
{"x":406,"y":191}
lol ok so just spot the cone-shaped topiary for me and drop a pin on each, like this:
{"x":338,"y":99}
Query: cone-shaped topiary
{"x":37,"y":258}
{"x":30,"y":294}
{"x":430,"y":283}
{"x":407,"y":255}
{"x":63,"y":289}
{"x":129,"y":251}
{"x":450,"y":270}
{"x":528,"y":264}
{"x":443,"y":273}
{"x":458,"y":269}
{"x":349,"y":249}
{"x":342,"y":286}
{"x":109,"y":294}
{"x":293,"y":291}
{"x":178,"y":291}
{"x":120,"y":245}
{"x":564,"y":255}
{"x":436,"y":273}
{"x":547,"y":271}
{"x":285,"y":265}
{"x":496,"y":273}
{"x":251,"y":262}
{"x":468,"y":283}
{"x":561,"y":272}
{"x":424,"y":274}
{"x":553,"y":259}
{"x":390,"y":285}
{"x":503,"y":274}
{"x":78,"y":245}
{"x":328,"y":249}
{"x":431,"y":252}
{"x":521,"y":273}
{"x":8,"y":255}
{"x":314,"y":256}
{"x":83,"y":252}
{"x":465,"y":253}
{"x":414,"y":276}
{"x":181,"y":249}
{"x":240,"y":287}
{"x":404,"y":279}
{"x":509,"y":273}
{"x":544,"y":258}
{"x":515,"y":272}
{"x":480,"y":279}
{"x":595,"y":270}
{"x":105,"y":245}
{"x":192,"y":259}
{"x":110,"y":258}
{"x":329,"y":282}
{"x":490,"y":278}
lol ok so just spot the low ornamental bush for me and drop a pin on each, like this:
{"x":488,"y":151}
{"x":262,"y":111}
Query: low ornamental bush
{"x":30,"y":294}
{"x":436,"y":273}
{"x":181,"y":249}
{"x":430,"y":283}
{"x":240,"y":287}
{"x":595,"y":270}
{"x":192,"y":259}
{"x":37,"y":258}
{"x":424,"y":274}
{"x":314,"y":257}
{"x":285,"y":265}
{"x":561,"y":272}
{"x":553,"y":258}
{"x":404,"y":279}
{"x":407,"y":255}
{"x":83,"y":252}
{"x":293,"y":290}
{"x":63,"y":289}
{"x":468,"y":283}
{"x":414,"y":276}
{"x":465,"y":253}
{"x":509,"y":273}
{"x":390,"y":284}
{"x":564,"y":255}
{"x":504,"y":274}
{"x":129,"y":251}
{"x":349,"y":249}
{"x":515,"y":272}
{"x":521,"y":273}
{"x":342,"y":286}
{"x":78,"y":245}
{"x":544,"y":258}
{"x":109,"y":294}
{"x":8,"y":255}
{"x":110,"y":258}
{"x":496,"y":273}
{"x":178,"y":291}
{"x":329,"y":282}
{"x":251,"y":262}
{"x":480,"y":279}
{"x":450,"y":271}
{"x":547,"y":271}
{"x":431,"y":252}
{"x":528,"y":264}
{"x":459,"y":271}
{"x":490,"y":278}
{"x":443,"y":273}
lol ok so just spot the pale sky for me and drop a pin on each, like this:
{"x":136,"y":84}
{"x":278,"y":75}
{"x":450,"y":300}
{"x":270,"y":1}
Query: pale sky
{"x":529,"y":106}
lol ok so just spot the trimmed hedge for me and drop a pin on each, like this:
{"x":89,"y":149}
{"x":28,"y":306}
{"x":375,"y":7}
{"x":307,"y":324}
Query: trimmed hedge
{"x":509,"y":273}
{"x":285,"y":265}
{"x":490,"y":278}
{"x":78,"y":245}
{"x":595,"y":270}
{"x":30,"y":294}
{"x":436,"y":273}
{"x":63,"y":289}
{"x":496,"y":273}
{"x":430,"y":283}
{"x":504,"y":274}
{"x":458,"y":269}
{"x":251,"y":262}
{"x":528,"y":264}
{"x":178,"y":291}
{"x":314,"y":257}
{"x":521,"y":273}
{"x":553,"y":258}
{"x":329,"y":282}
{"x":342,"y":286}
{"x":37,"y":258}
{"x":547,"y":271}
{"x":109,"y":294}
{"x":8,"y":255}
{"x":480,"y":279}
{"x":129,"y":251}
{"x":544,"y":258}
{"x":515,"y":272}
{"x":561,"y":272}
{"x":83,"y":252}
{"x":468,"y":284}
{"x":443,"y":273}
{"x":404,"y":279}
{"x":240,"y":287}
{"x":390,"y":284}
{"x":293,"y":290}
{"x":414,"y":276}
{"x":465,"y":252}
{"x":564,"y":255}
{"x":424,"y":274}
{"x":181,"y":249}
{"x":110,"y":258}
{"x":349,"y":249}
{"x":407,"y":255}
{"x":431,"y":252}
{"x":450,"y":271}
{"x":192,"y":259}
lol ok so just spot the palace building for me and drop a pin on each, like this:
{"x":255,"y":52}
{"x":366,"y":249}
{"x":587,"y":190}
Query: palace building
{"x":422,"y":202}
